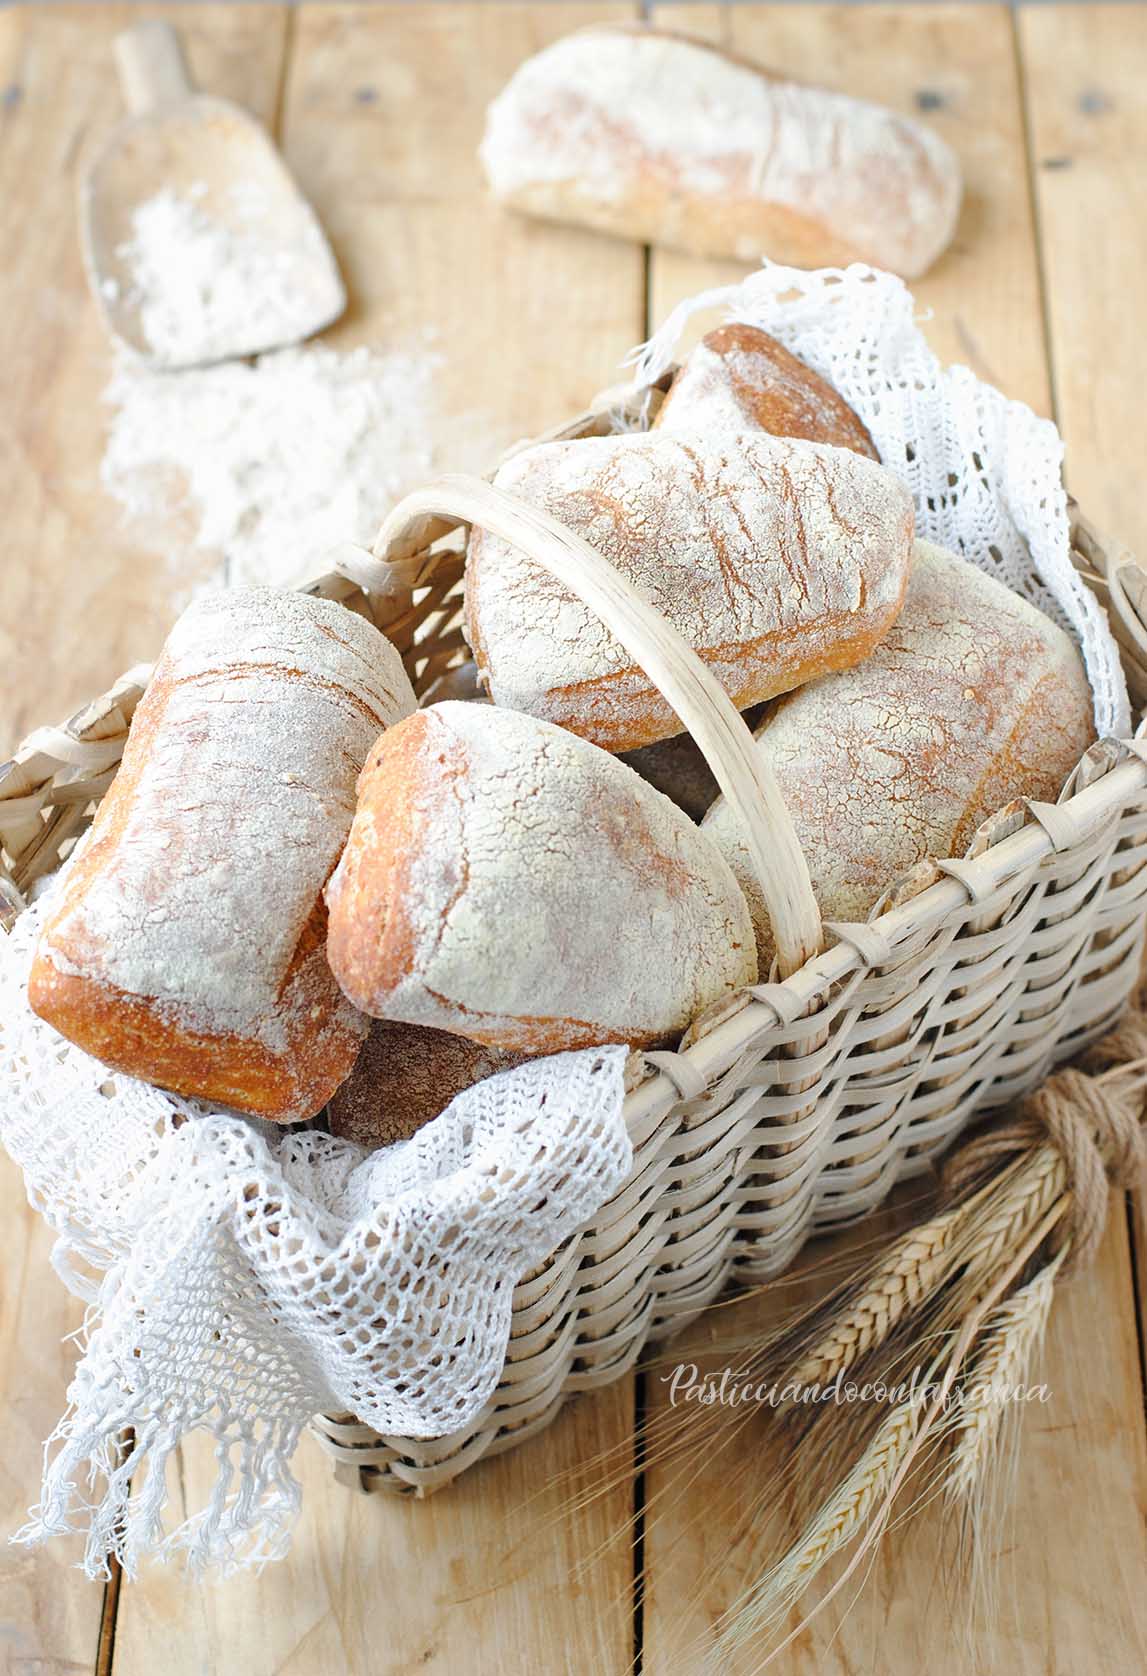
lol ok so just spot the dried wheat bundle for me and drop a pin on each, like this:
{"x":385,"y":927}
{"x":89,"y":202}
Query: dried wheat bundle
{"x":956,"y":1307}
{"x":948,"y":1319}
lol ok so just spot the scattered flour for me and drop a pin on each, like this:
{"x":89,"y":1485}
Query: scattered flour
{"x":213,"y":281}
{"x":248,"y":473}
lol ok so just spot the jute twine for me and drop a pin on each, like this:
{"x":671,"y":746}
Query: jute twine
{"x":1093,"y":1115}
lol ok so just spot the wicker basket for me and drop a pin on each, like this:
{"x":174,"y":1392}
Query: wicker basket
{"x":798,"y":1104}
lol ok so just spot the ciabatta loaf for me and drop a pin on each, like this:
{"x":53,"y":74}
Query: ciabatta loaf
{"x":738,"y":378}
{"x":404,"y":1076}
{"x":975,"y":698}
{"x":653,"y":136}
{"x":777,"y":560}
{"x":189,"y":944}
{"x":511,"y":883}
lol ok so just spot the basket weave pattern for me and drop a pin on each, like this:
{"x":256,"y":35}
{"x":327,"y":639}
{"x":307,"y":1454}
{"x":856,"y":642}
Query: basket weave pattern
{"x":796,"y":1106}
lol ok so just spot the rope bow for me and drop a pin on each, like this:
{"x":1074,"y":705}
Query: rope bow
{"x":1092,"y":1115}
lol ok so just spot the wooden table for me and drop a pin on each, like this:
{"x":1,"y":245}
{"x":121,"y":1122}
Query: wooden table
{"x":379,"y":110}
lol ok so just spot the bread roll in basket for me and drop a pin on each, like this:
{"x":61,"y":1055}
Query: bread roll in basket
{"x":800,"y":1102}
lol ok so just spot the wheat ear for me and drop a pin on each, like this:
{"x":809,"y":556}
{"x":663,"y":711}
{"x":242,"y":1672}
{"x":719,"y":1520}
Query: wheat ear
{"x":836,"y":1524}
{"x":1001,"y":1364}
{"x":914,"y":1267}
{"x":1017,"y":1206}
{"x":861,"y":1507}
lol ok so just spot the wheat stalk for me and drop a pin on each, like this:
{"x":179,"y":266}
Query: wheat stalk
{"x":914,"y":1267}
{"x":1000,"y":1366}
{"x":864,"y":1501}
{"x":1036,"y":1185}
{"x":836,"y":1524}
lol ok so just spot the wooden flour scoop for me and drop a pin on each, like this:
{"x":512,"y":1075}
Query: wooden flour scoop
{"x":234,"y":261}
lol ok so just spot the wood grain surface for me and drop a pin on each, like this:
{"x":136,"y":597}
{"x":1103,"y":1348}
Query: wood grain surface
{"x":379,"y":109}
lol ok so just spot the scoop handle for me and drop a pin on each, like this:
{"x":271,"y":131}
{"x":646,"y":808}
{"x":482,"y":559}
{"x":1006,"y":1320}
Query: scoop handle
{"x":152,"y":69}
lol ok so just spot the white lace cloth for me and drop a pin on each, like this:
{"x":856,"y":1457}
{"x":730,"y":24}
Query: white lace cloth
{"x":985,"y":472}
{"x":246,"y":1278}
{"x":252,"y":1278}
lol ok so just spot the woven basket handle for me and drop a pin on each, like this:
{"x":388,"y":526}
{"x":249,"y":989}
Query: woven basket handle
{"x":671,"y":664}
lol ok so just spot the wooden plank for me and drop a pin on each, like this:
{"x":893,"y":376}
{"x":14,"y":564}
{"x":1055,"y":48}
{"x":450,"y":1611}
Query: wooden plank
{"x":1079,"y":1597}
{"x":382,"y":114}
{"x":70,"y":579}
{"x":382,"y":119}
{"x":49,"y":1613}
{"x":953,"y":66}
{"x":488,"y":1574}
{"x":1084,"y":76}
{"x":1069,"y":1554}
{"x":76,"y":607}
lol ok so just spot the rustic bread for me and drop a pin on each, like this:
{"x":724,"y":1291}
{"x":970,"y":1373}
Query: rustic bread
{"x":511,"y":883}
{"x":188,"y":946}
{"x":404,"y":1076}
{"x":656,"y":137}
{"x":777,"y":560}
{"x":975,"y":698}
{"x":738,"y":378}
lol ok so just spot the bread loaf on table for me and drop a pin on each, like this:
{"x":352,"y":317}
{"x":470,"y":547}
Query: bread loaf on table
{"x":189,"y":944}
{"x":655,"y":137}
{"x":511,"y":883}
{"x":404,"y":1076}
{"x":738,"y":378}
{"x":777,"y":560}
{"x":975,"y":698}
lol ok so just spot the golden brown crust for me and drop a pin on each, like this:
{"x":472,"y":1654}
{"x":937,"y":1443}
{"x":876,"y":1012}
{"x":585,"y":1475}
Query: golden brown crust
{"x":623,"y":712}
{"x":614,"y":128}
{"x":739,"y":374}
{"x":779,"y":560}
{"x":132,"y":1034}
{"x":372,"y":940}
{"x":209,"y":851}
{"x":371,"y":937}
{"x":974,"y":699}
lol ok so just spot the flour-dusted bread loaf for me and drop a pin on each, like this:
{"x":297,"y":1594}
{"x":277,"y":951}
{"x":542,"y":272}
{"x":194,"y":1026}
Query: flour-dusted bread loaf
{"x":189,"y":944}
{"x":975,"y":698}
{"x":653,"y":136}
{"x":404,"y":1076}
{"x":511,"y":883}
{"x":777,"y":560}
{"x":738,"y":378}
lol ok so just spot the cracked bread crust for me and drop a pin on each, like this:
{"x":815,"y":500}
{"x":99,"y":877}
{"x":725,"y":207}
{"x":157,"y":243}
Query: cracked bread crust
{"x":777,"y":560}
{"x":975,"y":698}
{"x":513,"y":884}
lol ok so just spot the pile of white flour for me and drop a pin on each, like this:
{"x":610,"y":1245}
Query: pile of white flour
{"x":211,"y":285}
{"x":249,"y":472}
